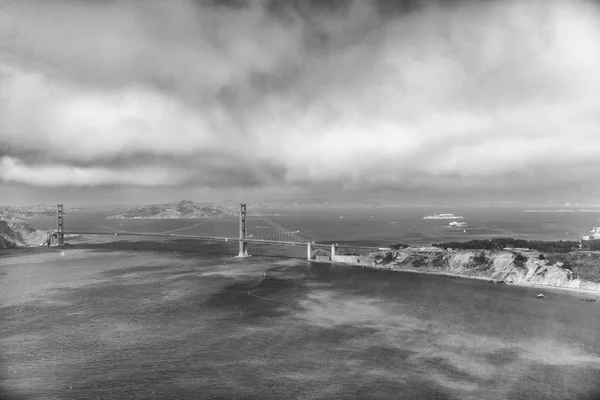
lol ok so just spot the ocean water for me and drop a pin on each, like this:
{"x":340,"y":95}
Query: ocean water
{"x":368,"y":225}
{"x":130,"y":318}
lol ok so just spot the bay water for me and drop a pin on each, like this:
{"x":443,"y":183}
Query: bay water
{"x":132,"y":318}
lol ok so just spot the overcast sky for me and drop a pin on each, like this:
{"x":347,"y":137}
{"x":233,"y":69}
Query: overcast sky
{"x":143,"y":101}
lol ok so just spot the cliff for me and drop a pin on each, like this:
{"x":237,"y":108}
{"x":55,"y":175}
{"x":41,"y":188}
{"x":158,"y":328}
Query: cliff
{"x":15,"y":234}
{"x":573,"y":270}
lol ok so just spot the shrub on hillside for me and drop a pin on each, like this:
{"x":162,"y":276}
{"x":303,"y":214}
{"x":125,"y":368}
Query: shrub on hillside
{"x":591,"y":245}
{"x":481,"y":261}
{"x":389,"y":257}
{"x":418,"y":261}
{"x":500,"y":243}
{"x":520,"y":260}
{"x":439,"y":261}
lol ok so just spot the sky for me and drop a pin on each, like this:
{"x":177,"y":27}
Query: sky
{"x":121,"y":102}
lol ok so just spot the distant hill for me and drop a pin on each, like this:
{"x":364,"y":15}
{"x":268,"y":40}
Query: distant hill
{"x":179,"y":209}
{"x":25,"y":213}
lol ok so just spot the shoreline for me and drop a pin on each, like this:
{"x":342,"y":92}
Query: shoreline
{"x":531,"y":285}
{"x":478,"y":278}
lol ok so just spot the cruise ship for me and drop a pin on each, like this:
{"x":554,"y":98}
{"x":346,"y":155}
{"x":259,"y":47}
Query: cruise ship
{"x":442,"y":216}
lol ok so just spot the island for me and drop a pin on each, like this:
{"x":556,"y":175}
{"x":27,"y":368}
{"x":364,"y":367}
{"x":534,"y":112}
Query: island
{"x":179,"y":209}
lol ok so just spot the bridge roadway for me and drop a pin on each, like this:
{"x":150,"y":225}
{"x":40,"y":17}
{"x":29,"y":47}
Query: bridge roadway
{"x":242,"y":241}
{"x":202,"y":238}
{"x":226,"y":239}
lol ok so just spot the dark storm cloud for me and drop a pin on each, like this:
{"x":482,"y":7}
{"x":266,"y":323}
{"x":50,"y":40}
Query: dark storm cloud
{"x":355,"y":95}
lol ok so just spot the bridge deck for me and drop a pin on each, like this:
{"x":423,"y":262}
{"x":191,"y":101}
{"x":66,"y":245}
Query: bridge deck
{"x":192,"y":237}
{"x":225,"y":239}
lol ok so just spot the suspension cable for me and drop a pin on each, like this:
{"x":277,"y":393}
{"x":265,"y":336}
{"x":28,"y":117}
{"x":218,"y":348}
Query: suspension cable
{"x":279,"y":227}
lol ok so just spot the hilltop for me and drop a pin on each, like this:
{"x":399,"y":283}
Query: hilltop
{"x":13,"y":234}
{"x":179,"y":209}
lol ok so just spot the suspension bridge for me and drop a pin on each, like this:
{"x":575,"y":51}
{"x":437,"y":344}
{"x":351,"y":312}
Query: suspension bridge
{"x":252,"y":227}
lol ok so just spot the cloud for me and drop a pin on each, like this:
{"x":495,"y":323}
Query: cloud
{"x":59,"y":175}
{"x":463,"y":96}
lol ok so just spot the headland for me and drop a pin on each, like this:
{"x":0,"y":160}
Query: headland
{"x":577,"y":270}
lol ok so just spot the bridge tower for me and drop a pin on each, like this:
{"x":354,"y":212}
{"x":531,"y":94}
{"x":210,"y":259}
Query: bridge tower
{"x":243,"y":242}
{"x":60,"y":225}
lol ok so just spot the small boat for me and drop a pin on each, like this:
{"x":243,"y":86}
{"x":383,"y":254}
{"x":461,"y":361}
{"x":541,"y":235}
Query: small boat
{"x":541,"y":296}
{"x":457,"y":224}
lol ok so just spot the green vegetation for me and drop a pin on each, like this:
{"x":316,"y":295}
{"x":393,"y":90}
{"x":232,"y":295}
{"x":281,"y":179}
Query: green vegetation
{"x":560,"y":258}
{"x":584,"y":265}
{"x":419,"y":261}
{"x":539,"y":245}
{"x":439,"y":261}
{"x":385,"y":259}
{"x":590,"y":245}
{"x":580,"y":258}
{"x":481,"y":261}
{"x":520,"y":260}
{"x":398,"y":246}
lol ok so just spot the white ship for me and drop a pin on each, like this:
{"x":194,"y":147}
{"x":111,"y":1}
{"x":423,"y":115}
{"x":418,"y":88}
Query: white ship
{"x":442,"y":216}
{"x":457,"y":224}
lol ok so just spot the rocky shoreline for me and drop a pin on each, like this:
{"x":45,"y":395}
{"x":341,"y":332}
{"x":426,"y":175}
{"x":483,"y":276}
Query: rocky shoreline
{"x":532,"y":269}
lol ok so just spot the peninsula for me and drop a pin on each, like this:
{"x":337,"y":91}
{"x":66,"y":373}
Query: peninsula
{"x":576,"y":270}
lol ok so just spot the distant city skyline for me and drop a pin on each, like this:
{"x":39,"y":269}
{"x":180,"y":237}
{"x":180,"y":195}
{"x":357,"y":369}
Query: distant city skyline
{"x":415,"y":102}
